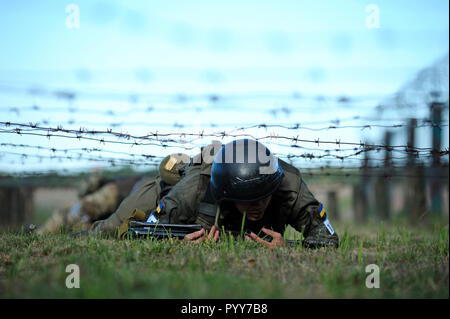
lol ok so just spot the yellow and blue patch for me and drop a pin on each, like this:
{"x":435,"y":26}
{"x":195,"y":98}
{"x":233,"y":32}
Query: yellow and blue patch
{"x":322,"y":212}
{"x":157,"y":211}
{"x":323,"y":216}
{"x":160,"y":207}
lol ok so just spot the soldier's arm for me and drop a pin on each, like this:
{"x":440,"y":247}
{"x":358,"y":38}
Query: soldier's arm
{"x":309,"y":216}
{"x":179,"y":206}
{"x":143,"y":198}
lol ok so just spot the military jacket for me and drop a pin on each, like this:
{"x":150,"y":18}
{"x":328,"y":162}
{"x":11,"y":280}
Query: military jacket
{"x":292,"y":204}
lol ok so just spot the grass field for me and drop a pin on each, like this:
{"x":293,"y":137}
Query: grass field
{"x":413,"y":263}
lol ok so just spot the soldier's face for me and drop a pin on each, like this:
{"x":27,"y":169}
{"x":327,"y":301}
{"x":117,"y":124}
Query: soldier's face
{"x":254,"y":211}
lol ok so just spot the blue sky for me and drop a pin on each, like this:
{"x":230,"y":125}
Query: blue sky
{"x":203,"y":47}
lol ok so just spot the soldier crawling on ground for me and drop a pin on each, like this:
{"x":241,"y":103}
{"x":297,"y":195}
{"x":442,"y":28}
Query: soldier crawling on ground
{"x":100,"y":197}
{"x":222,"y":186}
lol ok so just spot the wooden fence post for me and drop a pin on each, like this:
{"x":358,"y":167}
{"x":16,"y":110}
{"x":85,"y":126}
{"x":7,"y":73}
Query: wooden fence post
{"x":383,"y":187}
{"x":16,"y":205}
{"x":358,"y":204}
{"x":361,"y":192}
{"x":366,"y":186}
{"x":435,"y":186}
{"x":415,"y":192}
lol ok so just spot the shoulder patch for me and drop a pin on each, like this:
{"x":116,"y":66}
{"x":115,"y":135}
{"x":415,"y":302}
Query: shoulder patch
{"x":160,"y":207}
{"x":322,"y":212}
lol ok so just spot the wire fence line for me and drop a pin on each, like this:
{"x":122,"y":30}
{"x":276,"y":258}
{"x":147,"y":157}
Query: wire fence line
{"x":163,"y":140}
{"x":71,"y":95}
{"x":82,"y":149}
{"x":272,"y":103}
{"x":177,"y":108}
{"x":296,"y":126}
{"x":328,"y":155}
{"x":166,"y":140}
{"x":148,"y":160}
{"x":213,"y":100}
{"x":301,"y":143}
{"x":81,"y":156}
{"x":335,"y":123}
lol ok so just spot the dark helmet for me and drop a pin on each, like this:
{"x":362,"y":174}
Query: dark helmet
{"x":244,"y":171}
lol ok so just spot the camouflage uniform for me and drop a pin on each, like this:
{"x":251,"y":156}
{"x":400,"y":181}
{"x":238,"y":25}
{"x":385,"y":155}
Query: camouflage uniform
{"x":99,"y":197}
{"x":144,"y":197}
{"x":292,"y":204}
{"x":184,"y":203}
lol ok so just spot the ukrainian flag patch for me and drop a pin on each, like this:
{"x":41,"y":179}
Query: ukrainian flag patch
{"x":160,"y":207}
{"x":322,"y":211}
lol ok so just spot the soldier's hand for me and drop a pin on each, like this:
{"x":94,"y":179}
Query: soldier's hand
{"x":197,"y":236}
{"x":213,"y":234}
{"x":277,"y":238}
{"x":200,"y":235}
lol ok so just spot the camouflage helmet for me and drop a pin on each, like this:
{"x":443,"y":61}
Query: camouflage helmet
{"x":89,"y":186}
{"x":170,"y":165}
{"x":245,"y":171}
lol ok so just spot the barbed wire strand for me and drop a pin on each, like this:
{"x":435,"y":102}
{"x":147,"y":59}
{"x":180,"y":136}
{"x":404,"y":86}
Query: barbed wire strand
{"x":155,"y":136}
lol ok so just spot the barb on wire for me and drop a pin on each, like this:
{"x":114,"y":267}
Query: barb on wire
{"x":309,"y":156}
{"x":83,"y":149}
{"x":334,"y":123}
{"x":178,"y":108}
{"x":400,"y":172}
{"x":81,"y":156}
{"x":164,"y":140}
